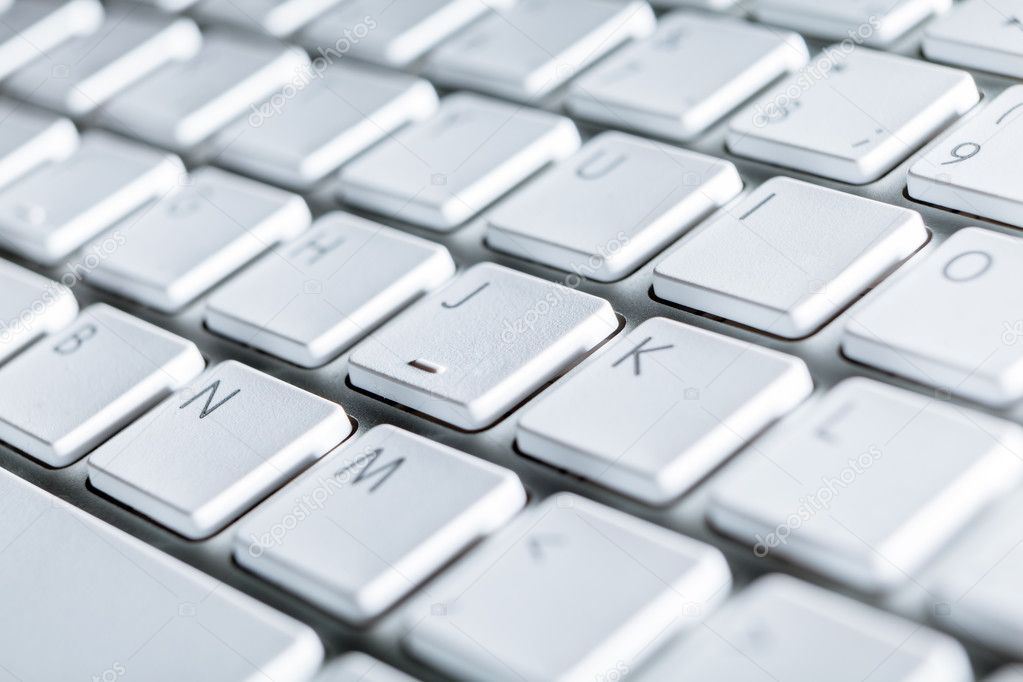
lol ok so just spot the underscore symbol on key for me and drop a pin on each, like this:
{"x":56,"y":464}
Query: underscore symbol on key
{"x":637,"y":351}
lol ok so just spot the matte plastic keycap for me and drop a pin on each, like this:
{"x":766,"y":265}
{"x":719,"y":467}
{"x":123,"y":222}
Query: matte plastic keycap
{"x":213,"y":449}
{"x":849,"y":115}
{"x":72,"y":390}
{"x":278,"y":18}
{"x":393,"y":508}
{"x":30,"y":138}
{"x":342,"y":112}
{"x":661,"y":408}
{"x":126,"y":609}
{"x":30,"y":29}
{"x":393,"y":33}
{"x":317,"y":295}
{"x":979,"y":34}
{"x":51,"y":212}
{"x":951,"y":322}
{"x":867,"y":484}
{"x":865,"y":21}
{"x":196,"y":236}
{"x":30,"y":306}
{"x":780,"y":629}
{"x":184,"y":104}
{"x":978,"y":581}
{"x":526,"y":51}
{"x":639,"y":87}
{"x":81,"y":74}
{"x":972,"y":169}
{"x":607,"y":209}
{"x":788,"y":257}
{"x":568,"y":591}
{"x":445,"y":170}
{"x":471,"y":351}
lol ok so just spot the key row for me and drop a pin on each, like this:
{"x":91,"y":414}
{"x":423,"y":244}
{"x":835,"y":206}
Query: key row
{"x":292,"y":138}
{"x":976,"y":33}
{"x":652,"y":588}
{"x":297,"y":139}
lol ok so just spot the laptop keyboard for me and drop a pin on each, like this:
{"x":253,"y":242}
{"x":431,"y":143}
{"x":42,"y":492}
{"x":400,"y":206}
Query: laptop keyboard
{"x":577,"y":340}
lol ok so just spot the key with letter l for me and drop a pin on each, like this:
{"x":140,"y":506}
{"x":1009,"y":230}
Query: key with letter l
{"x":867,"y":484}
{"x":211,"y":451}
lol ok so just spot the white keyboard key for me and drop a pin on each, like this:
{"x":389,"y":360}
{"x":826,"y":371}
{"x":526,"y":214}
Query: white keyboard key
{"x":783,"y":630}
{"x":868,"y":484}
{"x":535,"y":46}
{"x":441,"y":172}
{"x":341,"y":113}
{"x":972,"y":169}
{"x":31,"y":29}
{"x":50,"y":213}
{"x":1009,"y":673}
{"x":393,"y":509}
{"x":979,"y":34}
{"x":951,"y":322}
{"x":979,"y":579}
{"x":123,"y":608}
{"x":279,"y":18}
{"x":610,"y":207}
{"x":183,"y":104}
{"x":81,"y":74}
{"x":639,"y":86}
{"x":316,"y":296}
{"x":661,"y":408}
{"x":359,"y":667}
{"x":473,"y":350}
{"x":30,"y":138}
{"x":30,"y":306}
{"x":855,"y":122}
{"x":867,"y":21}
{"x":196,"y":236}
{"x":568,"y":591}
{"x":73,"y":390}
{"x":789,"y":257}
{"x":212,"y":450}
{"x":394,"y":33}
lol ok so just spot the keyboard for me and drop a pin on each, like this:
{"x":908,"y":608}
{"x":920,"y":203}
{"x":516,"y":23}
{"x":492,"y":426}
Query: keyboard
{"x":511,"y":340}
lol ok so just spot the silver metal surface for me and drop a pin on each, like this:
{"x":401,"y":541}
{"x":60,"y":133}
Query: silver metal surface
{"x":630,"y":297}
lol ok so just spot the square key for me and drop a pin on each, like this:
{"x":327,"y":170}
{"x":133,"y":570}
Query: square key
{"x":472,"y":351}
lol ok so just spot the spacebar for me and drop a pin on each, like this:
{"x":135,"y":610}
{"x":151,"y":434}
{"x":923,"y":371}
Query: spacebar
{"x":80,"y":599}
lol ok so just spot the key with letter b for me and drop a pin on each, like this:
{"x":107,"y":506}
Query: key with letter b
{"x":73,"y":390}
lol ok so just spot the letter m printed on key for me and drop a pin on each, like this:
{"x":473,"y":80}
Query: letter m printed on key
{"x":211,"y":394}
{"x":364,"y":471}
